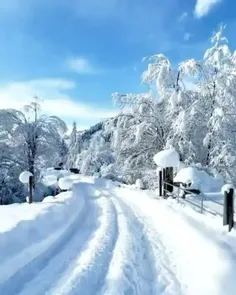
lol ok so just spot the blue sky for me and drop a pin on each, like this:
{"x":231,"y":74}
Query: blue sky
{"x":75,"y":53}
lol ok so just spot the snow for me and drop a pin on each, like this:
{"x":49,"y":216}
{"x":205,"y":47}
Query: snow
{"x":51,"y":176}
{"x":65,"y":183}
{"x":58,"y":173}
{"x":227,"y":188}
{"x":181,"y":166}
{"x":24,"y":177}
{"x":102,"y":239}
{"x":198,"y":179}
{"x":181,"y":271}
{"x":50,"y":180}
{"x":139,"y":184}
{"x":167,"y":158}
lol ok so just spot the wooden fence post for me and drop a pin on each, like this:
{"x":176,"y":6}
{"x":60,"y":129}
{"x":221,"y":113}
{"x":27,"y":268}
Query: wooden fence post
{"x":164,"y":184}
{"x":170,"y":179}
{"x":160,"y":183}
{"x":31,"y":185}
{"x":228,"y":217}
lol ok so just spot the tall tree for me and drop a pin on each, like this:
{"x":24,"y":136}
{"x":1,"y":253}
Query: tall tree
{"x":190,"y":107}
{"x":34,"y":138}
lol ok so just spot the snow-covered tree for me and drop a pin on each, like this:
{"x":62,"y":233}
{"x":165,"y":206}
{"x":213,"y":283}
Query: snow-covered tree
{"x":198,"y":120}
{"x":62,"y":153}
{"x":211,"y":113}
{"x":96,"y":156}
{"x":73,"y":136}
{"x":190,"y":106}
{"x":31,"y":139}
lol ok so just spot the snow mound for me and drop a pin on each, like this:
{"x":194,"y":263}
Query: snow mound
{"x":50,"y":176}
{"x":24,"y":177}
{"x":167,"y":158}
{"x":65,"y":183}
{"x":50,"y":180}
{"x":198,"y":179}
{"x":139,"y":184}
{"x":227,"y":188}
{"x":181,"y":166}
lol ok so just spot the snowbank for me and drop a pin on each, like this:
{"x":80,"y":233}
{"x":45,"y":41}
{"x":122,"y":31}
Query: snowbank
{"x":50,"y":176}
{"x":139,"y":184}
{"x":50,"y":180}
{"x":198,"y":179}
{"x":29,"y":231}
{"x":167,"y":158}
{"x":65,"y":183}
{"x":51,"y":172}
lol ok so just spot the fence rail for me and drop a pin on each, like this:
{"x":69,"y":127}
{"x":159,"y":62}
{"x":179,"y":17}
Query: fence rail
{"x":201,"y":197}
{"x":168,"y":187}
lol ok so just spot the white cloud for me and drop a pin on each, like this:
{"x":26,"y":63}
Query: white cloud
{"x":203,"y":7}
{"x":80,"y":65}
{"x":56,"y":100}
{"x":187,"y":36}
{"x":183,"y":16}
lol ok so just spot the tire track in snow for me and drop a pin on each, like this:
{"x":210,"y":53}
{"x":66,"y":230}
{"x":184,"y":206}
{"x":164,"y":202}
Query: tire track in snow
{"x":15,"y":282}
{"x":130,"y":271}
{"x":56,"y":266}
{"x":166,"y":282}
{"x":87,"y":272}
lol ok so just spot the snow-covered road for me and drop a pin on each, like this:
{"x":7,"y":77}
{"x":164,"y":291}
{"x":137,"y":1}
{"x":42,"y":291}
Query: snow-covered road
{"x":124,"y":242}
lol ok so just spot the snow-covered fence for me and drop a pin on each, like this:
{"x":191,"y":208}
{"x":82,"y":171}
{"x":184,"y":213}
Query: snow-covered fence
{"x":191,"y":185}
{"x":204,"y":201}
{"x":181,"y":193}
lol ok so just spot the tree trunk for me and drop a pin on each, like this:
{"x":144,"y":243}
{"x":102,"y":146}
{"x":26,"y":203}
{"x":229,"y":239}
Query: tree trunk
{"x":211,"y":127}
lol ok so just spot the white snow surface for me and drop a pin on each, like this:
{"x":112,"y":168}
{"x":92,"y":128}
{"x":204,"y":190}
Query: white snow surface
{"x":24,"y":177}
{"x":167,"y":158}
{"x":50,"y":180}
{"x":108,"y":239}
{"x":139,"y":184}
{"x":50,"y":176}
{"x":65,"y":183}
{"x":227,"y":188}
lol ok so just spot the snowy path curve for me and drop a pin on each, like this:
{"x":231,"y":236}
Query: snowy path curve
{"x":139,"y":265}
{"x":122,"y":245}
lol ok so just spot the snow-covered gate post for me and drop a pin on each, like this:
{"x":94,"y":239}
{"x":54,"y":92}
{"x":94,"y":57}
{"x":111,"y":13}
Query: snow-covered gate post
{"x":166,"y":160}
{"x":26,"y":177}
{"x":160,"y":182}
{"x":169,"y":179}
{"x":31,"y":185}
{"x":164,"y":182}
{"x":228,"y":217}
